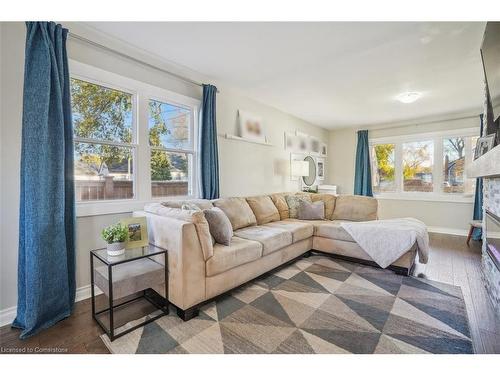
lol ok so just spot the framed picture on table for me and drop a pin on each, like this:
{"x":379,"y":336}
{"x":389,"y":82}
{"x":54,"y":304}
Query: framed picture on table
{"x":137,"y":232}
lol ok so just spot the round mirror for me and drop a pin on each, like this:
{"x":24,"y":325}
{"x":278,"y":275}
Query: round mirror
{"x":311,"y":178}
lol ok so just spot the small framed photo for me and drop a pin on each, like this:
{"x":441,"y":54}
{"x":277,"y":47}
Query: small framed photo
{"x":314,"y":146}
{"x":483,"y":145}
{"x":320,"y":174}
{"x":137,"y":232}
{"x":251,"y":126}
{"x":323,"y":151}
{"x":290,"y":142}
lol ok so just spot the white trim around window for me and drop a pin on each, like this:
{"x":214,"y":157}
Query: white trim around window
{"x":437,"y":195}
{"x":142,"y":93}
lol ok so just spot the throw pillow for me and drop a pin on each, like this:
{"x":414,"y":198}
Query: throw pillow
{"x":190,"y":207}
{"x":311,"y":211}
{"x":293,"y":202}
{"x":219,"y":225}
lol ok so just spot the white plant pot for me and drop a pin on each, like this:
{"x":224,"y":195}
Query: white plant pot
{"x":115,"y":248}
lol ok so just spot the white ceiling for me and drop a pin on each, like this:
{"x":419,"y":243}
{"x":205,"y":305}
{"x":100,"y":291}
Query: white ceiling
{"x":331,"y":74}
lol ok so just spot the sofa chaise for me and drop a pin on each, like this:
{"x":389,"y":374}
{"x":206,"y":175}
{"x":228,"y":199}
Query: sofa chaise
{"x":265,"y":237}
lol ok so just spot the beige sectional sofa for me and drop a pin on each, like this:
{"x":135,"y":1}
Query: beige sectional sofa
{"x":265,"y":237}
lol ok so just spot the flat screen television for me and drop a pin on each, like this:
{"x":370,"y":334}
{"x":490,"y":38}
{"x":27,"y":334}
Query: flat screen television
{"x":490,"y":53}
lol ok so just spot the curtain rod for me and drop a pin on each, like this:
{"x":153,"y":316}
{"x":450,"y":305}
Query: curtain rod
{"x":103,"y":47}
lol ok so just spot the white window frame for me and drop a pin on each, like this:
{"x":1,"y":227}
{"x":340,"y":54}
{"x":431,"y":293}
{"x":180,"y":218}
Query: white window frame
{"x":141,"y":94}
{"x":437,"y":173}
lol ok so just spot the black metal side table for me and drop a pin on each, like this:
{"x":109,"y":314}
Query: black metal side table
{"x":129,"y":274}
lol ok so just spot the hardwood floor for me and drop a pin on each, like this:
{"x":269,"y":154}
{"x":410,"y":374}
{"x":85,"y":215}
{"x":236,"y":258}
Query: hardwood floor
{"x":451,"y":261}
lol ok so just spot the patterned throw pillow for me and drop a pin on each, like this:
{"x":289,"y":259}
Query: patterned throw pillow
{"x":293,"y":202}
{"x":190,"y":207}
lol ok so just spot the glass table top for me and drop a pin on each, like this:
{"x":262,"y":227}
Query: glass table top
{"x":130,"y":254}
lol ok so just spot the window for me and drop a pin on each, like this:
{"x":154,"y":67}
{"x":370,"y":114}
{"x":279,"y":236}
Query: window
{"x":383,"y":163}
{"x":454,"y":165}
{"x":418,"y":162}
{"x":171,"y":149}
{"x":134,"y":142}
{"x":427,"y":166}
{"x":103,"y":131}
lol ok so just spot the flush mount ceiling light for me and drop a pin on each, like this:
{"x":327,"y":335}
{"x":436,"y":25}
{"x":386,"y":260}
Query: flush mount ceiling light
{"x":408,"y":97}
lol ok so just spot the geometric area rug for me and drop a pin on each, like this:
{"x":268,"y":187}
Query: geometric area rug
{"x":316,"y":305}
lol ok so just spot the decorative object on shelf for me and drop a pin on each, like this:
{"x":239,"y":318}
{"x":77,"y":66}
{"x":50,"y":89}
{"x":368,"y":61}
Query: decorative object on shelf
{"x":323,"y":149}
{"x":251,"y":126}
{"x":313,"y":189}
{"x":299,"y":142}
{"x":137,"y":232}
{"x":291,"y":142}
{"x":320,"y":162}
{"x":302,"y":143}
{"x":314,"y":146}
{"x":483,"y":145}
{"x":115,"y":235}
{"x":327,"y":189}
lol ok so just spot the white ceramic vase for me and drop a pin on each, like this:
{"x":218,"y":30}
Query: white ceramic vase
{"x":116,"y":248}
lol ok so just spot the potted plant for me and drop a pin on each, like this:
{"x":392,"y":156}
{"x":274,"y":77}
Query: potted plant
{"x":115,"y":235}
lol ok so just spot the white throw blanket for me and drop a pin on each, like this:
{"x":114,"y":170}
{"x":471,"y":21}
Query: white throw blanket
{"x":385,"y":241}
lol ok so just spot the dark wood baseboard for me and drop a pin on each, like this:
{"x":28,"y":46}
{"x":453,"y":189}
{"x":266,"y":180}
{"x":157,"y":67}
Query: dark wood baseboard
{"x":396,"y":269}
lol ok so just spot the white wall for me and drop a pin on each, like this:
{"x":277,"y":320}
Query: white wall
{"x":261,"y":169}
{"x":245,"y":168}
{"x":454,"y":216}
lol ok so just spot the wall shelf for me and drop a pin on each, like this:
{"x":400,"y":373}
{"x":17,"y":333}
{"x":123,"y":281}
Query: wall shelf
{"x":236,"y":138}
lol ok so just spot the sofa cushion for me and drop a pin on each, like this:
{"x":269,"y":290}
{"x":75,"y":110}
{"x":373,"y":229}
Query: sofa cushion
{"x":219,"y":225}
{"x":293,"y":202}
{"x":240,"y":251}
{"x":355,"y":208}
{"x":202,"y":204}
{"x":311,"y":211}
{"x":271,"y":238}
{"x":238,"y":212}
{"x":195,"y":217}
{"x":332,"y":230}
{"x":300,"y":231}
{"x":280,"y":203}
{"x":264,"y":209}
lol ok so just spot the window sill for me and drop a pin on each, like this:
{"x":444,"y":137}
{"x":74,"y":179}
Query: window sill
{"x":428,"y":197}
{"x":97,"y":208}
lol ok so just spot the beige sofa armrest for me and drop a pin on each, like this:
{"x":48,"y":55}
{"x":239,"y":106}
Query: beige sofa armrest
{"x":186,"y":264}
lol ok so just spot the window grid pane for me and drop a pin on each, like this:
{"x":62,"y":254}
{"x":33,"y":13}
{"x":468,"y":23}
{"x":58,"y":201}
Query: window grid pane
{"x":170,"y":173}
{"x":418,"y":163}
{"x":103,"y":172}
{"x":453,"y":165}
{"x":169,"y":125}
{"x":101,"y":113}
{"x":383,"y":167}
